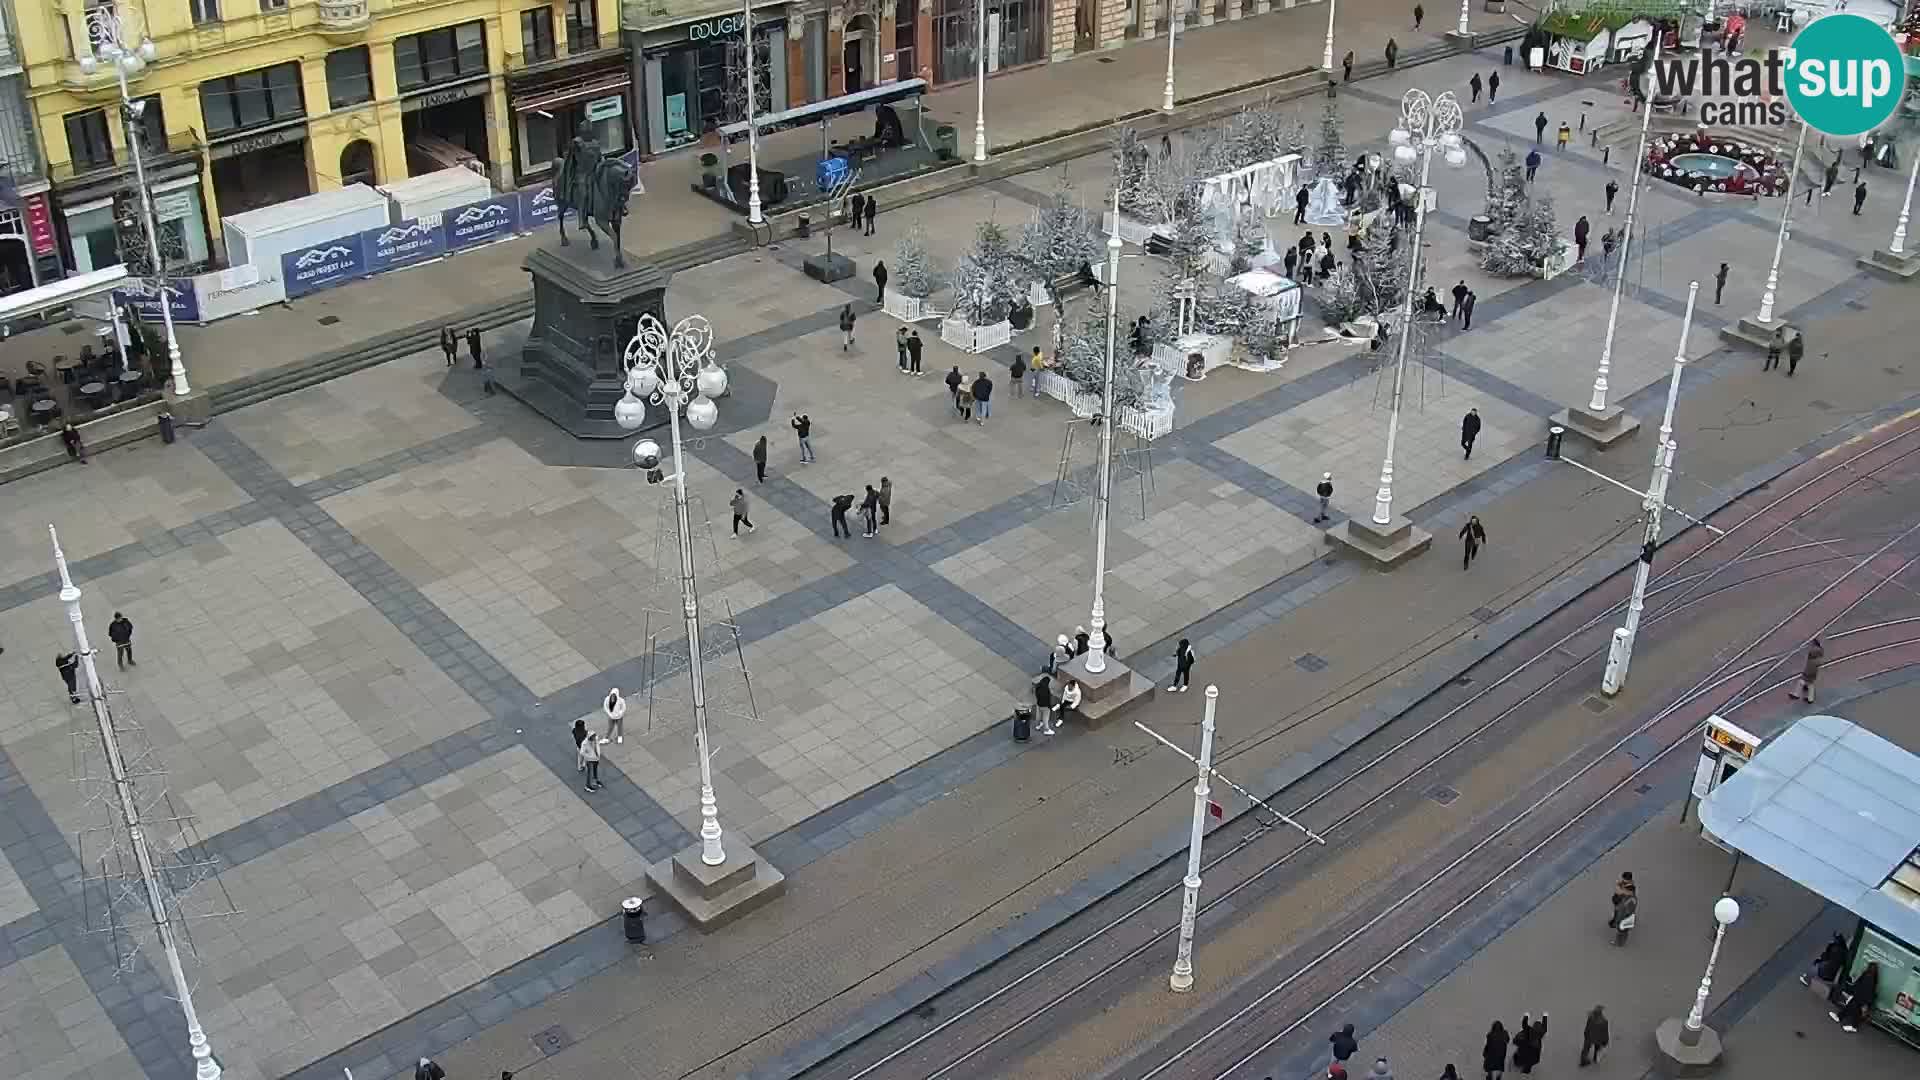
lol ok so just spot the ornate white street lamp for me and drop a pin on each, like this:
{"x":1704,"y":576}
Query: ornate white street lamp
{"x":1597,"y":405}
{"x":111,"y":39}
{"x":1097,"y":637}
{"x":1726,"y":911}
{"x":1463,"y":18}
{"x":1181,"y":980}
{"x":1899,"y":244}
{"x":1326,"y":58}
{"x":675,"y":368}
{"x":1173,"y":34}
{"x":753,"y":128}
{"x":1786,"y":224}
{"x":1426,"y":124}
{"x":980,"y":90}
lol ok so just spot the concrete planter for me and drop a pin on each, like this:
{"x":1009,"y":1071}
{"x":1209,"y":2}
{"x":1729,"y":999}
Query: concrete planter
{"x":1131,"y":230}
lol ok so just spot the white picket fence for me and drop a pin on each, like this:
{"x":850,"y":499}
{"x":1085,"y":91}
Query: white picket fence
{"x":1148,"y":424}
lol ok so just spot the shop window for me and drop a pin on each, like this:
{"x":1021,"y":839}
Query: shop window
{"x":87,"y":139}
{"x":536,"y":34}
{"x":252,"y":99}
{"x":583,"y":32}
{"x":906,"y":14}
{"x":349,"y":77}
{"x":438,"y":56}
{"x":148,"y":123}
{"x":204,"y":11}
{"x":273,"y":5}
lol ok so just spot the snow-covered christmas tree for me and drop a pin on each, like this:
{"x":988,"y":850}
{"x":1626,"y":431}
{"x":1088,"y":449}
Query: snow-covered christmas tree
{"x":987,"y":280}
{"x":1383,"y":268}
{"x":1059,"y":239}
{"x":1082,"y":360}
{"x":1506,"y":190}
{"x":1340,"y":296}
{"x":1330,"y":157}
{"x":1130,"y":159}
{"x":1189,"y":244}
{"x":1525,"y":246}
{"x":912,"y":268}
{"x":1249,"y":238}
{"x":1293,"y":140}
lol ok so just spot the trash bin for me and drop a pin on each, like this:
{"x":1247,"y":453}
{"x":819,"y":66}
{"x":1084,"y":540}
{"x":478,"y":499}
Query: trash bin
{"x":634,"y":919}
{"x":802,"y":226}
{"x":946,"y":142}
{"x":1022,"y":723}
{"x":166,"y":427}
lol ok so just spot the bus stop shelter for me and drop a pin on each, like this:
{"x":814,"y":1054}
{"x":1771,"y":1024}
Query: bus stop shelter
{"x":1836,"y":809}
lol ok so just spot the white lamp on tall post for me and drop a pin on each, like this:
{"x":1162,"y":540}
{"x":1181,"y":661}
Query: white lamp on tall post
{"x":675,"y":368}
{"x":1181,"y":980}
{"x":753,"y":129}
{"x":1688,"y":1047}
{"x":111,"y":39}
{"x":1173,"y":34}
{"x":1096,"y":658}
{"x":1898,"y":245}
{"x":1326,"y":57}
{"x":980,"y":90}
{"x":1780,"y":239}
{"x":1462,"y":31}
{"x":1726,"y":911}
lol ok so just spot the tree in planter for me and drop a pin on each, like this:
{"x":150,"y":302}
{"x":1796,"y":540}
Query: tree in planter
{"x":912,"y":268}
{"x":1130,"y":157}
{"x":1382,"y":276}
{"x":987,"y":280}
{"x":1058,"y":241}
{"x":1528,"y":242}
{"x":1340,"y":296}
{"x":1330,"y":157}
{"x":1293,"y":140}
{"x":1506,"y":191}
{"x":1082,"y":361}
{"x":1249,"y":238}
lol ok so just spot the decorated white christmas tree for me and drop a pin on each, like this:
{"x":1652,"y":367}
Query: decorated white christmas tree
{"x":1506,"y":190}
{"x":912,"y":268}
{"x":1249,"y":238}
{"x":1293,"y":140}
{"x":1528,"y":242}
{"x":1330,"y":157}
{"x":1383,"y":268}
{"x":1058,"y":240}
{"x":1082,"y":360}
{"x":1340,"y":297}
{"x":987,"y":280}
{"x":1130,"y":159}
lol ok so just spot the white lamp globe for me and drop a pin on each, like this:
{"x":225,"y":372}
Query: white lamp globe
{"x":1399,"y":136}
{"x":712,"y":380}
{"x":630,"y":412}
{"x":1450,"y":139}
{"x":702,"y":413}
{"x":132,"y":63}
{"x":88,"y":65}
{"x":643,"y":380}
{"x":646,"y":453}
{"x":1726,"y":911}
{"x":110,"y":49}
{"x":1456,"y":157}
{"x":1404,"y":155}
{"x":148,"y":51}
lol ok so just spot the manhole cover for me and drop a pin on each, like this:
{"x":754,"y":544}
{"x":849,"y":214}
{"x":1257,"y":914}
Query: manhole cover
{"x":551,"y":1041}
{"x":1309,"y":662}
{"x":1596,"y":703}
{"x":1485,"y":615}
{"x":329,"y":320}
{"x":1443,"y":795}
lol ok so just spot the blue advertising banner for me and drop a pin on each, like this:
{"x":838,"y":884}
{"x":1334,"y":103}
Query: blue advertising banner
{"x":143,"y":296}
{"x":411,"y":241}
{"x":480,"y":222}
{"x":323,"y":265}
{"x":538,"y":207}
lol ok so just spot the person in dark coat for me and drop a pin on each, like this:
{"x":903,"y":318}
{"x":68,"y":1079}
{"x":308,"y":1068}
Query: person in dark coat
{"x":120,"y":632}
{"x":1828,"y":965}
{"x":847,"y":319}
{"x":1539,"y":128}
{"x":1344,"y":1044}
{"x":838,"y":512}
{"x":913,"y":353}
{"x":1527,"y":1043}
{"x":1859,"y":197}
{"x":1796,"y":349}
{"x":1580,"y":232}
{"x":70,"y":437}
{"x":1419,"y":16}
{"x":870,"y":508}
{"x":428,"y":1069}
{"x":1594,"y":1038}
{"x":1043,"y":702}
{"x":1816,"y":655}
{"x":449,"y":345}
{"x":1474,"y":534}
{"x":1346,"y":66}
{"x":880,"y":282}
{"x":856,"y":209}
{"x":1300,"y":199}
{"x":1017,"y":373}
{"x":954,"y":379}
{"x":1466,"y":309}
{"x":886,"y":500}
{"x":982,"y":397}
{"x":1392,"y":53}
{"x":579,"y":736}
{"x":803,"y":428}
{"x":473,"y":347}
{"x":1289,"y":260}
{"x":873,"y":207}
{"x":760,"y":459}
{"x":1474,"y":84}
{"x":1856,"y":1001}
{"x":69,"y":665}
{"x":1183,"y":658}
{"x":1493,"y":87}
{"x":1469,"y":430}
{"x":1493,"y":1056}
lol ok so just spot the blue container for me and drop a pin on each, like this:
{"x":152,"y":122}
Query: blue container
{"x":830,"y":173}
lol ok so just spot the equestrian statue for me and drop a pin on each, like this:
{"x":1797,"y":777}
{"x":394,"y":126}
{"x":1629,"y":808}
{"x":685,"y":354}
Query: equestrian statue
{"x":596,"y":187}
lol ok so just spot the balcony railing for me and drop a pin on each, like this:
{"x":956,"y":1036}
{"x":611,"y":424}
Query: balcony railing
{"x":345,"y":15}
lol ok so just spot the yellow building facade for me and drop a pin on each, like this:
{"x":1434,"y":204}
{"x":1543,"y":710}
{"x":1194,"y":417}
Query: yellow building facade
{"x":250,"y":103}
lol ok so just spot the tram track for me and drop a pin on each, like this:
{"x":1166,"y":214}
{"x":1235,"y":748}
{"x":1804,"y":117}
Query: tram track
{"x":1017,"y":999}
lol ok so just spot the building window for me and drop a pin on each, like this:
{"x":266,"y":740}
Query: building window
{"x":439,"y":56}
{"x":204,"y":11}
{"x":252,"y":99}
{"x":536,"y":34}
{"x":151,"y":126}
{"x":349,"y":77}
{"x":87,"y":139}
{"x":273,"y":5}
{"x":583,"y":33}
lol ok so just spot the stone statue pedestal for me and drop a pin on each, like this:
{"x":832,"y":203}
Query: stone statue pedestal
{"x":584,"y":313}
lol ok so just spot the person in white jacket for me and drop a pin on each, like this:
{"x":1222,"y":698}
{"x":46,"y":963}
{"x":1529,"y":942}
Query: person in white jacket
{"x":616,"y":709}
{"x":1069,"y":700}
{"x":590,"y":759}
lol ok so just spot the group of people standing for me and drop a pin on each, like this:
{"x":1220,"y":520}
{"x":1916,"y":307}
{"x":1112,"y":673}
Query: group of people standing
{"x":876,"y":506}
{"x":1523,"y":1048}
{"x":450,"y":345}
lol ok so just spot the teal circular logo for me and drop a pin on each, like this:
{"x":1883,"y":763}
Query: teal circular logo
{"x":1846,"y":76}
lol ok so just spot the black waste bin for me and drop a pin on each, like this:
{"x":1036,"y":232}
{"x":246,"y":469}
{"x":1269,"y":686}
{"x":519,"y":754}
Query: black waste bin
{"x":1022,"y":723}
{"x":802,"y":226}
{"x":634,"y":920}
{"x":166,"y":427}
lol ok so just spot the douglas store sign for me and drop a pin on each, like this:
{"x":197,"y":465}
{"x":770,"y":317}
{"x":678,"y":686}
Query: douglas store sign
{"x":719,"y":26}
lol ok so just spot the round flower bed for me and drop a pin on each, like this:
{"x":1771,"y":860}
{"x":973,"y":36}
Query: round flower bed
{"x":1768,"y":176}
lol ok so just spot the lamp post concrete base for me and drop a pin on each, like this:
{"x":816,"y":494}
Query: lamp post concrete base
{"x":1886,"y":264}
{"x":1675,"y":1056}
{"x":713,"y":896}
{"x":1602,"y":429}
{"x":1106,"y":694}
{"x":191,"y":408}
{"x":1463,"y":41}
{"x":1752,"y":332}
{"x":1386,"y":545}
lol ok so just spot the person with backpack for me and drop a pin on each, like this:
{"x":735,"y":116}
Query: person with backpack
{"x":1043,"y":702}
{"x":846,"y":328}
{"x":1183,"y":659}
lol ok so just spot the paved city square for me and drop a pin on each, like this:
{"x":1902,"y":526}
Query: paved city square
{"x":368,"y":612}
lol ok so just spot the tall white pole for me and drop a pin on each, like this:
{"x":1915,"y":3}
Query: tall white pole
{"x":204,"y":1066}
{"x":1725,"y":912}
{"x":1097,"y":640}
{"x":1463,"y":17}
{"x":1383,"y":499}
{"x":753,"y":128}
{"x":1326,"y":57}
{"x":1620,"y":652}
{"x":1786,"y":220}
{"x":178,"y":370}
{"x":1899,"y":244}
{"x":1173,"y":34}
{"x":1598,"y":404}
{"x":980,"y":92}
{"x":711,"y":852}
{"x":1181,"y":980}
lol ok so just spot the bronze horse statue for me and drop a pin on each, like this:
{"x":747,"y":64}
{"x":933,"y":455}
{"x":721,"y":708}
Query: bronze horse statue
{"x":596,"y":187}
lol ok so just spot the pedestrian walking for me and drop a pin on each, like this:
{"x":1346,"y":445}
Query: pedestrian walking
{"x":1419,"y":14}
{"x":964,"y":403}
{"x":846,"y":328}
{"x":1493,"y":1055}
{"x":69,"y":666}
{"x":1142,"y":332}
{"x":1526,"y":1045}
{"x":1719,"y":282}
{"x":120,"y":632}
{"x":1810,"y":671}
{"x":1562,"y":137}
{"x":449,"y":345}
{"x":1380,"y":1070}
{"x":870,"y":509}
{"x":428,"y":1069}
{"x":953,"y":380}
{"x":1043,"y":702}
{"x":590,"y":759}
{"x":616,"y":709}
{"x":739,"y":505}
{"x":1607,"y":242}
{"x":1017,"y":374}
{"x":1539,"y":128}
{"x":1626,"y":912}
{"x":1459,"y":296}
{"x":880,"y":286}
{"x":1827,"y":966}
{"x":1474,"y":535}
{"x":1393,"y":53}
{"x":1775,"y":346}
{"x":873,"y":209}
{"x":579,"y":736}
{"x":1289,"y":260}
{"x":1034,"y":368}
{"x":803,"y":427}
{"x":900,"y":348}
{"x":1325,"y":491}
{"x":1580,"y":231}
{"x":1796,"y":348}
{"x":1832,"y":178}
{"x":913,"y":354}
{"x":1857,"y":1000}
{"x":1183,"y":659}
{"x":1344,"y":1044}
{"x":473,"y":347}
{"x":1859,"y":197}
{"x":886,"y":500}
{"x":1450,"y":1072}
{"x":1493,"y":87}
{"x":1300,"y":200}
{"x":1612,"y":189}
{"x":76,"y":447}
{"x":1593,"y":1038}
{"x":838,"y":511}
{"x":1327,"y":263}
{"x":982,"y":397}
{"x":1473,"y":84}
{"x":760,"y":459}
{"x":1533,"y":164}
{"x":1346,"y":66}
{"x":1466,"y":310}
{"x":856,"y":208}
{"x":1469,"y":431}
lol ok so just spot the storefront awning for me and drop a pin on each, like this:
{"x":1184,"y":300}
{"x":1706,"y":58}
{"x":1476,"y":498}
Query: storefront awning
{"x":39,"y":301}
{"x":1836,"y":809}
{"x":591,"y":86}
{"x":845,"y":105}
